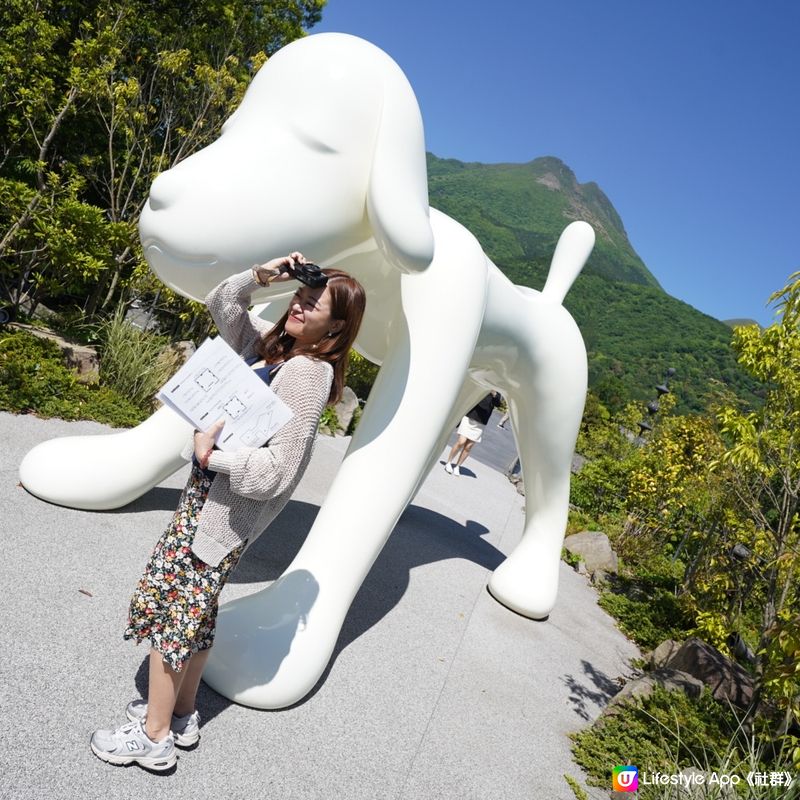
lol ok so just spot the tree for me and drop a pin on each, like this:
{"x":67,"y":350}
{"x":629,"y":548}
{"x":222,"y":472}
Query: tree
{"x":764,"y":451}
{"x":40,"y":90}
{"x":97,"y":99}
{"x":721,"y":503}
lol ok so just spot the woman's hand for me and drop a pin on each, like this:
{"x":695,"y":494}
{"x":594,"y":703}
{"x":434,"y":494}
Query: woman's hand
{"x":274,"y":271}
{"x":204,"y":442}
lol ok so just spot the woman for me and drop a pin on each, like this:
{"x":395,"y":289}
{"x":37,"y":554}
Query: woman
{"x":230,"y":498}
{"x":470,"y":432}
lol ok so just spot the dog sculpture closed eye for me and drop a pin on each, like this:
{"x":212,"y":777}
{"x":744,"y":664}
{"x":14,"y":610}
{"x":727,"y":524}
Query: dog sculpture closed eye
{"x":326,"y":155}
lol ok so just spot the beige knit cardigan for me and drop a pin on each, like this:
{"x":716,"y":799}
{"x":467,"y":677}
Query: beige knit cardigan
{"x":253,"y":484}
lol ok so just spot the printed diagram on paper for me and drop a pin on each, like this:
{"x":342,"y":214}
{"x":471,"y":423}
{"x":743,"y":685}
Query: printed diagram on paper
{"x":258,"y":432}
{"x":206,"y":380}
{"x":214,"y":384}
{"x":234,"y":408}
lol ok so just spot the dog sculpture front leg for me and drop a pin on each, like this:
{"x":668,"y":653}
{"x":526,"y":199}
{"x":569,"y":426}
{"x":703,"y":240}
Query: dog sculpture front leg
{"x":271,"y":647}
{"x":106,"y":471}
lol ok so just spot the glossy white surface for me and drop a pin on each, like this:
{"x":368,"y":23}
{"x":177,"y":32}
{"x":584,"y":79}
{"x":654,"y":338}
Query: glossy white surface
{"x":326,"y":155}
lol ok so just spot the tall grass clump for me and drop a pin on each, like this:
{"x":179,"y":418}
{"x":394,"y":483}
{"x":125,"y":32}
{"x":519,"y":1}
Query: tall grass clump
{"x":134,"y":362}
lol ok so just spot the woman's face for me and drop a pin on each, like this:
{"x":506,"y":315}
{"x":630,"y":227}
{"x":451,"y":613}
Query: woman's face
{"x":309,"y":319}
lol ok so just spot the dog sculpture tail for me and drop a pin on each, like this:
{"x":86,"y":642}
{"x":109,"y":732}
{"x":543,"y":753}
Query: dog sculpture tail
{"x":573,"y":249}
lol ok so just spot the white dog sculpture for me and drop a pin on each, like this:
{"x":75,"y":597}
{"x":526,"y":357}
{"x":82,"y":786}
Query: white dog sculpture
{"x":326,"y":155}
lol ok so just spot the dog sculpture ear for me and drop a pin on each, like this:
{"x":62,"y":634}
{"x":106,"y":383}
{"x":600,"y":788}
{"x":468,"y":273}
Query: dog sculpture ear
{"x":397,"y":196}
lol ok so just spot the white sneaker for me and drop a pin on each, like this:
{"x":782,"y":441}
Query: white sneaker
{"x":129,"y":744}
{"x":186,"y":730}
{"x":456,"y":470}
{"x":448,"y":468}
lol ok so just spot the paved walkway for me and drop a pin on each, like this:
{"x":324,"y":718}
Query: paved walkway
{"x":434,"y":691}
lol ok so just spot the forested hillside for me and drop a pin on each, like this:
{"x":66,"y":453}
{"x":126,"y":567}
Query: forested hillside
{"x":633,"y":330}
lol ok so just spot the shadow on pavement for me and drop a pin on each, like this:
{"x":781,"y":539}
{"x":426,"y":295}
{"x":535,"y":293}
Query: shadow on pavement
{"x":580,"y":695}
{"x":420,"y":537}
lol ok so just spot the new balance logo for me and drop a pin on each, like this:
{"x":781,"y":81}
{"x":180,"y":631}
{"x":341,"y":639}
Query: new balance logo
{"x":132,"y":744}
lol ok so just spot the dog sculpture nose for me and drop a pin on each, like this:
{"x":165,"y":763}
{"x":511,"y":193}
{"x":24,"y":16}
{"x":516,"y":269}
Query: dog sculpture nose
{"x":165,"y":190}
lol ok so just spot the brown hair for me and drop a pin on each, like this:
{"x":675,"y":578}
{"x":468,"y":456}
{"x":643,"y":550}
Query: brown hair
{"x":347,"y":302}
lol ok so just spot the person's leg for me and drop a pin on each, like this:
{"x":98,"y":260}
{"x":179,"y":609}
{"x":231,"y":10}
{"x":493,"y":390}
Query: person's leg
{"x":451,"y":464}
{"x":460,"y":441}
{"x":468,"y":445}
{"x":193,"y":672}
{"x":163,"y":690}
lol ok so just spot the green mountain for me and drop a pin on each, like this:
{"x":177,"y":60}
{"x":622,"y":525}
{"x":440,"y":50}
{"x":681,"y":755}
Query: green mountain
{"x":735,"y":323}
{"x":634,"y":331}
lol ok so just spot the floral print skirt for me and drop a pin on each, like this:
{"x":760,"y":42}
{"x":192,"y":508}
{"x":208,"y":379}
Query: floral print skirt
{"x":175,"y":603}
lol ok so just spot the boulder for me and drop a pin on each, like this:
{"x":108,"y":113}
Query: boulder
{"x":727,"y":680}
{"x":81,"y":358}
{"x":186,"y":349}
{"x":663,"y":653}
{"x":670,"y":679}
{"x":599,"y":577}
{"x":594,"y":549}
{"x":578,"y":462}
{"x":183,"y":351}
{"x":514,"y":474}
{"x":40,"y":310}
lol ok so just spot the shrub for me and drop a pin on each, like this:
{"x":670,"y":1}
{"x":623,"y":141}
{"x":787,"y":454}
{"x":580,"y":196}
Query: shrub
{"x":668,"y":732}
{"x":31,"y":372}
{"x":33,"y":378}
{"x":354,"y":420}
{"x":645,"y":601}
{"x":329,"y":421}
{"x":656,"y":616}
{"x":642,"y":735}
{"x":570,"y":558}
{"x":600,"y":487}
{"x":361,"y":375}
{"x":577,"y":790}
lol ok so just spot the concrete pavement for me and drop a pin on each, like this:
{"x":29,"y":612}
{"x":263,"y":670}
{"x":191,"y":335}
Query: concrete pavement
{"x":434,"y":690}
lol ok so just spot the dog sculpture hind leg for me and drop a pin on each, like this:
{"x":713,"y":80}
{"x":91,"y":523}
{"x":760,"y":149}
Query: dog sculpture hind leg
{"x":326,"y":154}
{"x":546,"y":391}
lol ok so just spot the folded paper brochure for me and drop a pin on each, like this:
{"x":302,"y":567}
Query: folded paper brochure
{"x":215,"y":383}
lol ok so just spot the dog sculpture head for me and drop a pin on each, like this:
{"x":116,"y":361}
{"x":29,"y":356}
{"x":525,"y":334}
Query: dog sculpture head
{"x":325,"y":154}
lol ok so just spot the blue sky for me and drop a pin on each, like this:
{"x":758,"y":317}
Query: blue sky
{"x":687,"y":115}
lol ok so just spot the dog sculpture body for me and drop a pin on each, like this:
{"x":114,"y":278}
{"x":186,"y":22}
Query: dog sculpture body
{"x":326,"y":154}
